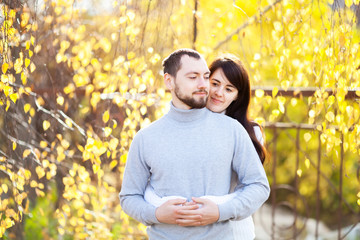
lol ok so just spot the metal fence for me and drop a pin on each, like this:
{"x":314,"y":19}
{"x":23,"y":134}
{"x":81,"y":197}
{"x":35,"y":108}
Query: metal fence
{"x":312,"y":202}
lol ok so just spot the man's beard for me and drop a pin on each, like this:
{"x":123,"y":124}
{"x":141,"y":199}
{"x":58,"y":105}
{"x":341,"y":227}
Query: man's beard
{"x":190,"y":101}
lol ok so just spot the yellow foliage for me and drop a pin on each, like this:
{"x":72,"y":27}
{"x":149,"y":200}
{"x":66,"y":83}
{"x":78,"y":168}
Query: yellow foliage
{"x":46,"y":125}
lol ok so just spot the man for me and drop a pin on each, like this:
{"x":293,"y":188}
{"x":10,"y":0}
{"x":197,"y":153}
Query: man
{"x":191,"y":152}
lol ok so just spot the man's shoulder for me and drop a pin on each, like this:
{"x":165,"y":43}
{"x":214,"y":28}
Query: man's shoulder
{"x":153,"y":126}
{"x":223,"y":122}
{"x":222,"y":117}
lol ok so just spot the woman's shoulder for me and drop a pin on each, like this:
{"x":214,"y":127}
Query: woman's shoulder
{"x":259,"y":133}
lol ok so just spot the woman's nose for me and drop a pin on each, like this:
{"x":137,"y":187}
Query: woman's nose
{"x":218,"y":92}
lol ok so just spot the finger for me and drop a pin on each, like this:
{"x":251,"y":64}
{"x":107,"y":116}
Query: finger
{"x":176,"y":201}
{"x":188,"y":212}
{"x":188,"y":223}
{"x":200,"y":200}
{"x":189,"y":217}
{"x":189,"y":203}
{"x":187,"y":208}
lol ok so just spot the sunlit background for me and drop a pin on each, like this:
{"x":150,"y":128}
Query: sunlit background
{"x":80,"y":78}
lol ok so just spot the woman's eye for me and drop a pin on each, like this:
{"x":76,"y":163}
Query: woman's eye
{"x":214,"y":84}
{"x":192,"y":77}
{"x":229,"y":90}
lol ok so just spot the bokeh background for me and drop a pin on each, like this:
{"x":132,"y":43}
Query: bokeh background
{"x":79,"y":78}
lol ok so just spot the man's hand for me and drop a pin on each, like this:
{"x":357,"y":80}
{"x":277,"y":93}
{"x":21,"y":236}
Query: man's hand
{"x":208,"y":213}
{"x":168,"y":211}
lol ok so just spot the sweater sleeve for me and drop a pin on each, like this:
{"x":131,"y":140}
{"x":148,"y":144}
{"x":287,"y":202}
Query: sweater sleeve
{"x":253,"y":187}
{"x":135,"y":179}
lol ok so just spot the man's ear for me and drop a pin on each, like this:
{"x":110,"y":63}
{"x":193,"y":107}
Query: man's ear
{"x":168,"y":79}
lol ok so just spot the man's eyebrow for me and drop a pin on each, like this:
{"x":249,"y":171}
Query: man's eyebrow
{"x":197,"y":73}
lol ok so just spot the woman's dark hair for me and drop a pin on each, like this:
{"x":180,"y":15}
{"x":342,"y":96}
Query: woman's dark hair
{"x":238,"y":109}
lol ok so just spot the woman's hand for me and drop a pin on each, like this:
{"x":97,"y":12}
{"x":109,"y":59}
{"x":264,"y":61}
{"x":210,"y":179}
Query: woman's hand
{"x":208,"y":213}
{"x":168,"y":212}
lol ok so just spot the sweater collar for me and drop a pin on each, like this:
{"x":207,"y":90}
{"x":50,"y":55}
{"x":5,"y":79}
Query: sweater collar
{"x":182,"y":115}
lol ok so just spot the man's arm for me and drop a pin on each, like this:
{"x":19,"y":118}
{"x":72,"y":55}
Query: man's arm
{"x":253,"y":187}
{"x":135,"y":179}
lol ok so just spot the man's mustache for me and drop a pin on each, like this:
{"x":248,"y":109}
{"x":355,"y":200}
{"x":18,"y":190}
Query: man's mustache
{"x":200,"y":91}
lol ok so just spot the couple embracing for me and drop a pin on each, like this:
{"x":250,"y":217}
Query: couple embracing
{"x":196,"y":173}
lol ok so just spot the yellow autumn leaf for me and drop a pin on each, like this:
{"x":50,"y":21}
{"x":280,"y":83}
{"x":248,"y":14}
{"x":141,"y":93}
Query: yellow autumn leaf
{"x":27,"y":174}
{"x":330,"y":116}
{"x":40,"y":172}
{"x":259,"y":93}
{"x":275,"y":92}
{"x":96,"y":168}
{"x":27,"y":62}
{"x":14,"y":145}
{"x":161,"y":92}
{"x":37,"y":48}
{"x":113,"y":164}
{"x":60,"y":100}
{"x":68,"y":122}
{"x":5,"y":67}
{"x":7,"y":105}
{"x":7,"y":90}
{"x":105,"y":45}
{"x":307,"y":137}
{"x":18,"y":65}
{"x":106,"y":116}
{"x":5,"y":187}
{"x":348,"y":3}
{"x":23,"y":78}
{"x":155,"y":58}
{"x":26,"y":153}
{"x":299,"y":172}
{"x":123,"y":158}
{"x":9,"y":223}
{"x":32,"y":67}
{"x":312,"y":113}
{"x":46,"y":125}
{"x":114,"y":123}
{"x":68,"y":181}
{"x":14,"y":97}
{"x":39,"y":193}
{"x":27,"y":107}
{"x":33,"y":184}
{"x":107,"y":131}
{"x":307,"y":163}
{"x":143,"y":110}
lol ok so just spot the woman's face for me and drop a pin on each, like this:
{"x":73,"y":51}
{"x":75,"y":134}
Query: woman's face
{"x":222,"y":92}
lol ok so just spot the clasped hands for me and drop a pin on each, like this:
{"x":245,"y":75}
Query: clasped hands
{"x":199,"y":212}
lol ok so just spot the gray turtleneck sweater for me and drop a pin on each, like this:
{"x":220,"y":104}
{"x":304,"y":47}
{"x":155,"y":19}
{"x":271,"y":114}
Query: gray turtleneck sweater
{"x":191,"y":153}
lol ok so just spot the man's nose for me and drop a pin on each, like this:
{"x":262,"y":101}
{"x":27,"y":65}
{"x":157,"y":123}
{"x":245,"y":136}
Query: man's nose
{"x":203,"y":83}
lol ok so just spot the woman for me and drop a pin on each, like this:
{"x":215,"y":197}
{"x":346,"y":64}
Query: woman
{"x":229,"y":94}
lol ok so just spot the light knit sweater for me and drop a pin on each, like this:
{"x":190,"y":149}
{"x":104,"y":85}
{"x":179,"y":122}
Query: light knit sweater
{"x":243,"y":229}
{"x":192,"y":153}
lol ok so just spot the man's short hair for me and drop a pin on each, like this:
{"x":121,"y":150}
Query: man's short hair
{"x":172,"y":63}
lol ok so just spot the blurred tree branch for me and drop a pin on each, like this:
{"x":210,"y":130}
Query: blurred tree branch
{"x":247,"y":23}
